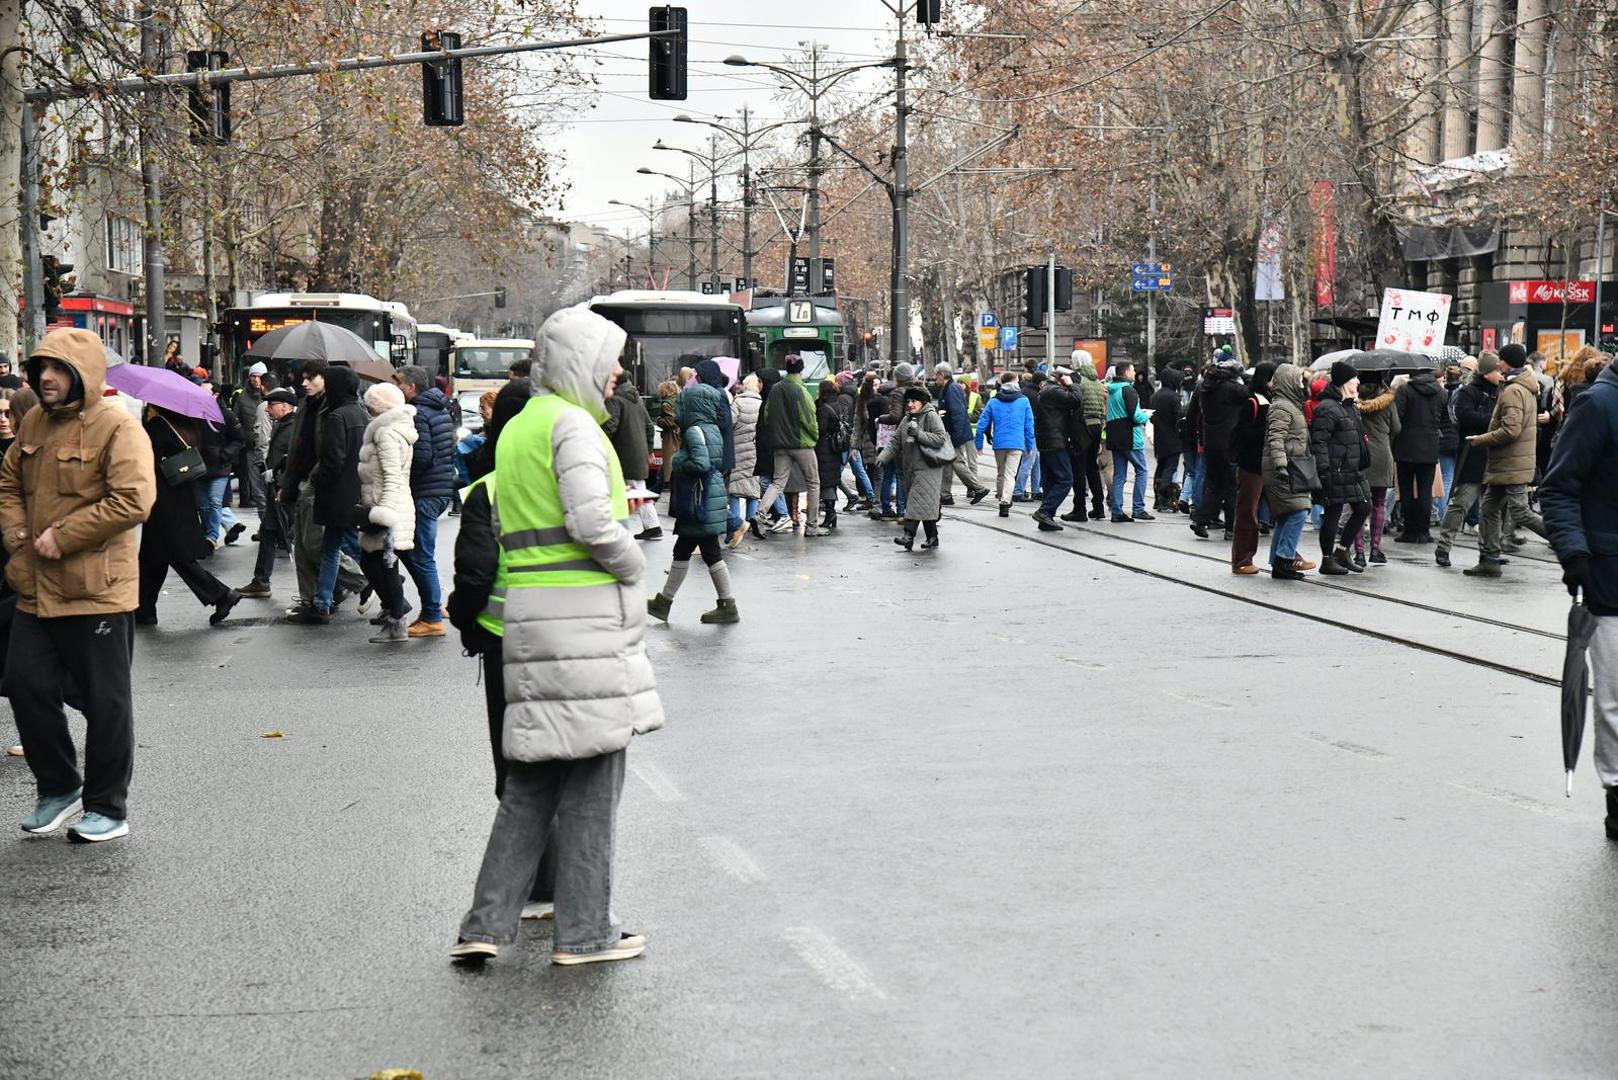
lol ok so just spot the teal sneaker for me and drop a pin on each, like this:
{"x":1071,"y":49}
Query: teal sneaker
{"x":93,"y":828}
{"x":51,"y":812}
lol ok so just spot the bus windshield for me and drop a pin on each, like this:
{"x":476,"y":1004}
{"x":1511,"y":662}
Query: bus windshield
{"x":659,"y":358}
{"x":487,"y":361}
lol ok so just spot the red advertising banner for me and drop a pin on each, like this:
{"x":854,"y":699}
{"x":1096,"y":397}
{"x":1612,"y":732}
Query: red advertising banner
{"x":1551,"y":292}
{"x":1489,"y":337}
{"x":1323,"y":201}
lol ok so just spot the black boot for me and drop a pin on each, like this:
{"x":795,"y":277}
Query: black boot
{"x":828,"y":513}
{"x":1612,"y":813}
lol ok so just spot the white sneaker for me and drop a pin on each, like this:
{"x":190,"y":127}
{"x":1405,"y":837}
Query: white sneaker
{"x":477,"y":951}
{"x":781,"y":526}
{"x":629,"y":946}
{"x":539,"y":909}
{"x":14,"y":751}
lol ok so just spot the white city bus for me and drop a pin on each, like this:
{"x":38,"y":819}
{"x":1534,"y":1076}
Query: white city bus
{"x":386,"y":325}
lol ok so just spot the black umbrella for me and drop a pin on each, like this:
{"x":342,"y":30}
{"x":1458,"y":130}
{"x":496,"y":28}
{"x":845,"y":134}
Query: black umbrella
{"x":1575,"y":686}
{"x":1391,"y":360}
{"x":312,"y":341}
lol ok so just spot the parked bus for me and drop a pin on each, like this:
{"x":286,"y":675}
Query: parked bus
{"x":485,"y":363}
{"x":433,"y":344}
{"x":812,"y":327}
{"x":671,"y":329}
{"x":386,"y":325}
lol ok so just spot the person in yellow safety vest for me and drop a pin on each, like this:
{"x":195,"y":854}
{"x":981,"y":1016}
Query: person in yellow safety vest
{"x":578,"y":684}
{"x":479,"y":570}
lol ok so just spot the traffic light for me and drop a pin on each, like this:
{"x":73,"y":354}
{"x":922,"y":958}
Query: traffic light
{"x":209,"y":106}
{"x":1064,"y":288}
{"x":1034,"y":300}
{"x":928,"y":12}
{"x":57,"y":285}
{"x":665,"y":64}
{"x":441,"y":101}
{"x":500,"y":297}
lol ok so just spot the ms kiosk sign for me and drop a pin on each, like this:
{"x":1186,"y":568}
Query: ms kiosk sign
{"x":1413,"y":322}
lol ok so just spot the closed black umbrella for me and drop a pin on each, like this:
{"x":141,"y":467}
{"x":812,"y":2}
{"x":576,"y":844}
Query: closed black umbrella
{"x":1575,"y":686}
{"x":312,"y":341}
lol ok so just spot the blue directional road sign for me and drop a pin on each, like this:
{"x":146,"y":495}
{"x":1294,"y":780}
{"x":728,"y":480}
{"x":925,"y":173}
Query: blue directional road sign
{"x":1008,"y":337}
{"x":988,"y":321}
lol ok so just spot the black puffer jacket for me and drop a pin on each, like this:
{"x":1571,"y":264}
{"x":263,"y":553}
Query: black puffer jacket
{"x":1338,"y":443}
{"x":1474,"y":406}
{"x":432,"y":466}
{"x":338,"y":438}
{"x":1247,"y":441}
{"x":1165,"y":408}
{"x":1219,"y":402}
{"x":1054,"y":407}
{"x":1421,"y":402}
{"x":1449,"y":440}
{"x":220,"y":446}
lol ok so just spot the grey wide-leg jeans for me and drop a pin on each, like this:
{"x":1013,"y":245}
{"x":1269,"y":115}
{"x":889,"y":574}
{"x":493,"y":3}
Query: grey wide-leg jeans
{"x":1604,"y":698}
{"x":582,"y":797}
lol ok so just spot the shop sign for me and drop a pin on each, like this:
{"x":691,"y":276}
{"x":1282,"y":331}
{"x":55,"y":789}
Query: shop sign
{"x":1551,"y":292}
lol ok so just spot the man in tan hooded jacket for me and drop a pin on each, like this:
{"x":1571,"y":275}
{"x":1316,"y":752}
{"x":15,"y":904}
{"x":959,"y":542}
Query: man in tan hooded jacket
{"x":73,"y":487}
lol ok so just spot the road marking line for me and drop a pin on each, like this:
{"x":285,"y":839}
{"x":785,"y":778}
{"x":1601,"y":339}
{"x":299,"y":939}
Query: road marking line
{"x":1511,"y":798}
{"x":654,"y":778}
{"x":838,"y":970}
{"x":1201,"y":703}
{"x":1338,"y":744}
{"x":732,"y":859}
{"x":1085,"y":664}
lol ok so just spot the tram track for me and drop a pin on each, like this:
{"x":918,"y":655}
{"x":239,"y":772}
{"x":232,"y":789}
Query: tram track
{"x":993,"y":525}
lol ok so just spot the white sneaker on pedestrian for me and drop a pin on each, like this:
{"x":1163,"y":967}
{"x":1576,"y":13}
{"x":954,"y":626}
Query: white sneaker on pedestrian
{"x":14,"y":751}
{"x":629,"y":946}
{"x":782,"y":525}
{"x":539,"y":909}
{"x":477,"y":951}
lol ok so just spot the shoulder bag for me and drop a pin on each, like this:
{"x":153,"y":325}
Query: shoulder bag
{"x":185,"y":466}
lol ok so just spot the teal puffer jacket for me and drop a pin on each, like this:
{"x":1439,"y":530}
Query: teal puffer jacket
{"x":698,"y":409}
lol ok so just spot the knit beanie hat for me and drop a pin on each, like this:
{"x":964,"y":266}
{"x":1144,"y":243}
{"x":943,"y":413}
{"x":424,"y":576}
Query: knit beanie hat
{"x":1487,"y":363}
{"x":1514,"y":355}
{"x":1341,"y":372}
{"x":382,"y":397}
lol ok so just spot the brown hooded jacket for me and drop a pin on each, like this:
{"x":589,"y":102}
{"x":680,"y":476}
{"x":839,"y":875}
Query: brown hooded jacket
{"x":83,"y":468}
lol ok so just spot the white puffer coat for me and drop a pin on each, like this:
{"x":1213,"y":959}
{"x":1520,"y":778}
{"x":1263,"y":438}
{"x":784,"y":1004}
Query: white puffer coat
{"x":385,"y":479}
{"x":578,"y":681}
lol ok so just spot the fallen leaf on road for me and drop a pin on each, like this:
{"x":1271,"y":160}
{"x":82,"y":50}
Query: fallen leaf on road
{"x":273,"y":735}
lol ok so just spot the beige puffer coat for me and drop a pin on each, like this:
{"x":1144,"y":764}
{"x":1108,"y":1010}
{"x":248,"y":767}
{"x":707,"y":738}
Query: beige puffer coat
{"x":385,"y":479}
{"x":578,"y":681}
{"x":1512,"y":438}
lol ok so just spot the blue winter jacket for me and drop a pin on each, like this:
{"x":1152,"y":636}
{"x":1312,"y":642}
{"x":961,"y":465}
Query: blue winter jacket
{"x":1121,"y":399}
{"x":1008,"y":421}
{"x":952,"y":403}
{"x":1579,"y":495}
{"x":432,"y":468}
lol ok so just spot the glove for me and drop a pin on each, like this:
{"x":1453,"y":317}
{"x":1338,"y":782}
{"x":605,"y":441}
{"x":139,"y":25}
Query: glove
{"x":1576,"y":574}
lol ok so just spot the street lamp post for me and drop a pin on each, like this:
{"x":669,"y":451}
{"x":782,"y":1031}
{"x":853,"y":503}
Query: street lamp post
{"x":690,"y":185}
{"x":651,"y":233}
{"x":711,"y":161}
{"x":746,"y":140}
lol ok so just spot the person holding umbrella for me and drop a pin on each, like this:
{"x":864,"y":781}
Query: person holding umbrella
{"x":1580,"y":504}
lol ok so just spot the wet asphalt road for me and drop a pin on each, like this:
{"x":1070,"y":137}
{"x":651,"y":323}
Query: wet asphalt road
{"x":1011,"y":808}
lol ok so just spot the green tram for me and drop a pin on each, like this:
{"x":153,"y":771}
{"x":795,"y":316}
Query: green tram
{"x":810,"y":326}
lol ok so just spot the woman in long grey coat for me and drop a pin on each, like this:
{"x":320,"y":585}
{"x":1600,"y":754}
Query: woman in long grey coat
{"x":741,"y":485}
{"x":1381,"y":423}
{"x":922,"y":434}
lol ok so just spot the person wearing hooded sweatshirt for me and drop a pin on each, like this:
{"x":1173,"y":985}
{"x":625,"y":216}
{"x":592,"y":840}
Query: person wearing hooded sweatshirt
{"x":1008,"y":423}
{"x":388,"y":523}
{"x":74,"y":485}
{"x":1247,"y":450}
{"x":1338,"y":443}
{"x":921,"y":448}
{"x":1422,"y":404}
{"x":697,"y":502}
{"x":174,"y":535}
{"x":1286,"y":448}
{"x":335,"y":480}
{"x":1165,"y":408}
{"x":1126,"y":440}
{"x":1513,"y":459}
{"x":788,"y":418}
{"x":1095,"y":421}
{"x":1381,"y":422}
{"x":578,"y":682}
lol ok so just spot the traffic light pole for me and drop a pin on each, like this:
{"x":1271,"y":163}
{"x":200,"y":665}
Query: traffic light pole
{"x":33,"y":276}
{"x":1151,"y":295}
{"x":1050,"y":313}
{"x":899,"y":349}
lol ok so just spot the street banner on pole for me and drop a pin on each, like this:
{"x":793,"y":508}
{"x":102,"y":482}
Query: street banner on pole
{"x":1267,"y":283}
{"x":1323,"y":201}
{"x":987,"y":336}
{"x":1413,"y":321}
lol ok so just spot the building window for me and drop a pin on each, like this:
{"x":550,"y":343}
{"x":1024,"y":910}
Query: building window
{"x":123,"y":245}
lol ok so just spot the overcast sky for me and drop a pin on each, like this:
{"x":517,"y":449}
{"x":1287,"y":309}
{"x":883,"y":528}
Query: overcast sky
{"x":605,"y":145}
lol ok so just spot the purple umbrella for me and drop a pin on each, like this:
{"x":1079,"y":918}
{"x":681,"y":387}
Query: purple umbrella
{"x":165,"y":389}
